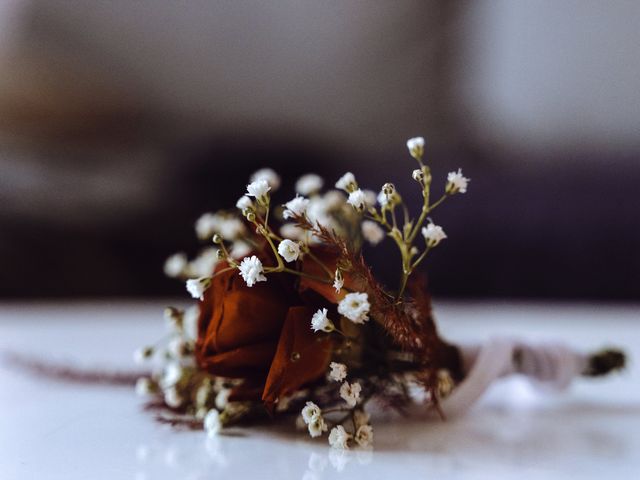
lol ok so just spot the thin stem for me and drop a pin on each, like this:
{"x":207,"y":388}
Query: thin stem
{"x":222,"y":271}
{"x":275,"y":252}
{"x":438,"y":202}
{"x":303,"y":274}
{"x":426,"y":210}
{"x":266,"y":215}
{"x":403,"y":285}
{"x":420,"y":258}
{"x":393,"y":216}
{"x":321,"y":264}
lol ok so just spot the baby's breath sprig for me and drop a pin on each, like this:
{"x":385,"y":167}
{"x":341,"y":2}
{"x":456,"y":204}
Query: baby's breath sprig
{"x":404,"y":235}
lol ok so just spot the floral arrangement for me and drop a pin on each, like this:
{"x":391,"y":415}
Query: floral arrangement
{"x":290,"y":319}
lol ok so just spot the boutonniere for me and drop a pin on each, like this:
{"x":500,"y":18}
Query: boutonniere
{"x":291,"y":320}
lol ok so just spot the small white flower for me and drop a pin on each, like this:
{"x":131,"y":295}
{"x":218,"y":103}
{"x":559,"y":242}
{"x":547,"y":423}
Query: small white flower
{"x":317,"y":427}
{"x":309,"y":184}
{"x":369,"y":198}
{"x":212,"y":423}
{"x":350,"y":393}
{"x":172,"y":374}
{"x":207,"y":225}
{"x":433,"y":234}
{"x":172,"y":397}
{"x":358,"y":200}
{"x":201,"y":413}
{"x":142,"y":355}
{"x":222,"y":398}
{"x":338,"y":281}
{"x":296,"y":207}
{"x":339,"y":438}
{"x":173,"y":319}
{"x":372,"y":232}
{"x":243,"y":203}
{"x":311,"y":412}
{"x":177,"y":347}
{"x":333,"y":200}
{"x":418,"y":175}
{"x":338,"y":371}
{"x":231,"y":228}
{"x":289,"y":250}
{"x":355,"y":306}
{"x":269,"y":175}
{"x":319,"y":213}
{"x":383,"y":199}
{"x":347,"y":182}
{"x":204,"y":264}
{"x":320,"y":321}
{"x":197,"y":286}
{"x":290,"y":230}
{"x":190,"y":322}
{"x":240,"y":249}
{"x":456,"y":182}
{"x":144,"y":387}
{"x":202,"y":394}
{"x":174,"y":265}
{"x":360,"y":417}
{"x":364,"y":436}
{"x":252,"y":271}
{"x":259,"y":189}
{"x":416,"y":147}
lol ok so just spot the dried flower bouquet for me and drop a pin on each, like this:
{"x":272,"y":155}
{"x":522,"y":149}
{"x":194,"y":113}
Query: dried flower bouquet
{"x":290,"y":318}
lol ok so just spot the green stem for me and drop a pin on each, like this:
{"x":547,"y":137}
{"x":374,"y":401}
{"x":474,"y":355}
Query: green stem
{"x":426,"y":210}
{"x":303,"y":274}
{"x":420,"y":258}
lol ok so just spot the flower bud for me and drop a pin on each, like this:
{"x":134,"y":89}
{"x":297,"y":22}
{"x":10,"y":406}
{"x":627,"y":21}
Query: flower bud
{"x":217,"y":239}
{"x":143,"y":354}
{"x":220,"y":255}
{"x":388,"y":189}
{"x":173,"y":317}
{"x":251,"y":216}
{"x":416,"y":147}
{"x":418,"y":175}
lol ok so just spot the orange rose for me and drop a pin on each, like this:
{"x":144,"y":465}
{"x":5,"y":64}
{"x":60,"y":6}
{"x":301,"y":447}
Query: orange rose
{"x":260,"y":334}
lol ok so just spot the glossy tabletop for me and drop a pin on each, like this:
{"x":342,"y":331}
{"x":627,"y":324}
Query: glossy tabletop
{"x":55,"y":430}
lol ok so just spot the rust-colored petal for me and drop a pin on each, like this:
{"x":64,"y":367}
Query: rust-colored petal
{"x":248,"y":314}
{"x":251,"y":361}
{"x":233,"y":315}
{"x":302,"y":356}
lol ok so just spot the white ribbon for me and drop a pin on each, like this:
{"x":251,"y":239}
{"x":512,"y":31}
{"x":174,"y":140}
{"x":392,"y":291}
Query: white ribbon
{"x":549,"y":365}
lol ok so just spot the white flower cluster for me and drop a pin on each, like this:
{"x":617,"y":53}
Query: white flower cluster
{"x":174,"y":363}
{"x":339,"y":438}
{"x":312,"y":416}
{"x":178,"y":265}
{"x":183,"y":388}
{"x":228,"y":226}
{"x":296,"y":207}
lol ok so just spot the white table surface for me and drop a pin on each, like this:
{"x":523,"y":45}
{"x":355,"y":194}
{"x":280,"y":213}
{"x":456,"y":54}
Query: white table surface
{"x":51,"y":430}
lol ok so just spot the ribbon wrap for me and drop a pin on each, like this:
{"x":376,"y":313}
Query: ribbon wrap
{"x":550,"y":366}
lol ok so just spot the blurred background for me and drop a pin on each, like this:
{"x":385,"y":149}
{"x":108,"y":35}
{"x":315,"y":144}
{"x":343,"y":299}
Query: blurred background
{"x":121,"y":122}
